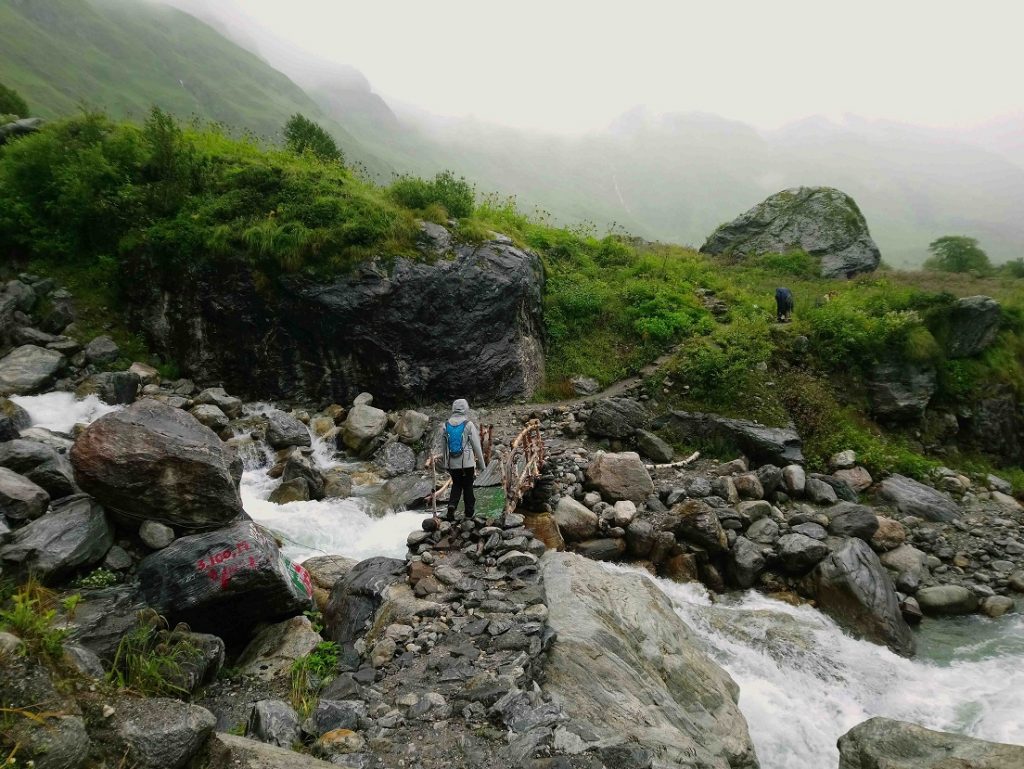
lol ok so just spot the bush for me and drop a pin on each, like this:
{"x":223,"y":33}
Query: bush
{"x":11,"y":102}
{"x":456,"y":196}
{"x":31,"y":615}
{"x":302,"y":135}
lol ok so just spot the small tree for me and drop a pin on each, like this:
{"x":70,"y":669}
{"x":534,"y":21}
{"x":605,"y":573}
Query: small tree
{"x":11,"y":102}
{"x":957,"y":253}
{"x":301,"y":135}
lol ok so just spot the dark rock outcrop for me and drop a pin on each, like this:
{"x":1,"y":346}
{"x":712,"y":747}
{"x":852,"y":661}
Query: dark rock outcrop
{"x":900,"y":390}
{"x":301,"y":340}
{"x":775,"y":445}
{"x":853,"y":587}
{"x":822,"y":221}
{"x":882,"y":742}
{"x":153,"y":461}
{"x":238,"y":571}
{"x":973,"y":325}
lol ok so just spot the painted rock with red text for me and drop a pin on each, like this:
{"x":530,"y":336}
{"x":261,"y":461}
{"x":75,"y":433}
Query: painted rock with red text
{"x":224,"y":581}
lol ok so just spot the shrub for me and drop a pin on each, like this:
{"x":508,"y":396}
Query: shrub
{"x":310,"y":673}
{"x":97,"y":578}
{"x":456,"y":196}
{"x":302,"y":135}
{"x":11,"y":102}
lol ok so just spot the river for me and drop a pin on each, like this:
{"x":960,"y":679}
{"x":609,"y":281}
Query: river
{"x":803,"y":682}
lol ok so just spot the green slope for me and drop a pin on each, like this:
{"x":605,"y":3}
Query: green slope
{"x":123,"y":57}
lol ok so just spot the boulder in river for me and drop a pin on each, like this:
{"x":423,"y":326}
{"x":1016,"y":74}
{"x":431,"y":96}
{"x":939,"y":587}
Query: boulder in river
{"x":822,"y":221}
{"x":914,"y":498}
{"x":304,"y":339}
{"x":74,"y":535}
{"x":28,"y":369}
{"x":236,"y":573}
{"x":284,"y":430}
{"x":853,"y":587}
{"x":882,"y":743}
{"x":153,"y":461}
{"x":765,"y":445}
{"x":575,"y":520}
{"x":947,"y":599}
{"x":363,"y":425}
{"x":626,"y":664}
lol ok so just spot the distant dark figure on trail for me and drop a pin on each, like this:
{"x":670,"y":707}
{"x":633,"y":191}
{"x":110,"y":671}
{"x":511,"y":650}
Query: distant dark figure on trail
{"x":458,"y":445}
{"x":784,"y":304}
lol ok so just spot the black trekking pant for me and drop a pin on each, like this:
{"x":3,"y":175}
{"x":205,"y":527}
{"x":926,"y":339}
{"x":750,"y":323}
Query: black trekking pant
{"x":462,"y":483}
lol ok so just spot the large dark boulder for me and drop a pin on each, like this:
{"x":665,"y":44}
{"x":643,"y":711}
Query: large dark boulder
{"x":616,"y":418}
{"x":914,"y":498}
{"x":28,"y":369}
{"x":20,"y":499}
{"x":973,"y":325}
{"x":41,"y":464}
{"x":900,"y":390}
{"x":224,"y":581}
{"x":882,"y":742}
{"x":853,"y":587}
{"x":75,"y":534}
{"x":356,"y":596}
{"x":153,"y":461}
{"x":822,"y":221}
{"x":765,"y":445}
{"x":378,"y":328}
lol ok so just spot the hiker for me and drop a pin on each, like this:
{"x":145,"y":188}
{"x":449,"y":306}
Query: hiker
{"x":458,"y":442}
{"x":784,"y":304}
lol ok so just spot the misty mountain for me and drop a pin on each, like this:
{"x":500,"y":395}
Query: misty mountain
{"x":672,"y":177}
{"x":124,"y":57}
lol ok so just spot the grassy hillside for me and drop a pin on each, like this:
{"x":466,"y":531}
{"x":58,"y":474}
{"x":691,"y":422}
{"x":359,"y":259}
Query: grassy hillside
{"x":87,"y":198}
{"x":123,"y":57}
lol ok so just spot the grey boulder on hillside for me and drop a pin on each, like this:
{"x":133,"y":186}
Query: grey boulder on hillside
{"x":627,"y":665}
{"x":881,"y":742}
{"x":823,"y":221}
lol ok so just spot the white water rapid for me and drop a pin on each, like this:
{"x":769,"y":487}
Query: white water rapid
{"x":803,"y":682}
{"x":331,"y":527}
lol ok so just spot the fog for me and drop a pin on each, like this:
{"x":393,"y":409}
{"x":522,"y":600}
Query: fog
{"x":667,"y":118}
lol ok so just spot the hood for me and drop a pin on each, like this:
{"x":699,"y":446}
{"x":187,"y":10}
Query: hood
{"x":460,"y":411}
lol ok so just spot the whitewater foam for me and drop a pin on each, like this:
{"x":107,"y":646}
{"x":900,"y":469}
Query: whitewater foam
{"x":803,"y":682}
{"x":61,"y":411}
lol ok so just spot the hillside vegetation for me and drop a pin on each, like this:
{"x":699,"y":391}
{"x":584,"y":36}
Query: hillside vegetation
{"x":88,"y":197}
{"x":123,"y":57}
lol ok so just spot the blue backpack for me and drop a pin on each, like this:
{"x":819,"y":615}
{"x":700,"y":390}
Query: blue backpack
{"x":456,"y":436}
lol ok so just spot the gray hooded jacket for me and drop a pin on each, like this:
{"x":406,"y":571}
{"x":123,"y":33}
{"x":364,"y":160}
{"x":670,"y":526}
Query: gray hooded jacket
{"x":472,"y":454}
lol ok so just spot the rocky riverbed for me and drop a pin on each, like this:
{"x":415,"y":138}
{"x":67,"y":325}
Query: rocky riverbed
{"x":275,"y":551}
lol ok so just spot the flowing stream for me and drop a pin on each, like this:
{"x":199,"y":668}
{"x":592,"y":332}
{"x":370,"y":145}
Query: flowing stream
{"x":803,"y":682}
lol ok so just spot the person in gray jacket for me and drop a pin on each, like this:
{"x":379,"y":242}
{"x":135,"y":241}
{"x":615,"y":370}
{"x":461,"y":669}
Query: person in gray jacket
{"x":458,"y":445}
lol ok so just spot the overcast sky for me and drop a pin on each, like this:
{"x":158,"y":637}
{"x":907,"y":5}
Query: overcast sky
{"x":572,"y":65}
